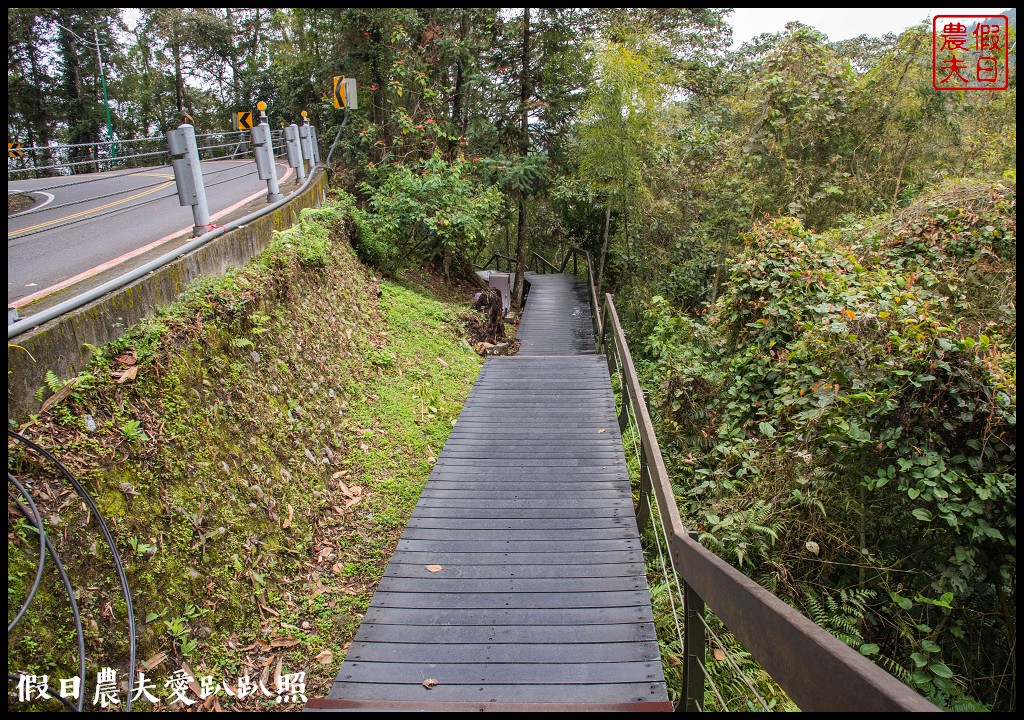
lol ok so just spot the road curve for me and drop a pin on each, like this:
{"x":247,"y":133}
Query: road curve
{"x":82,"y":225}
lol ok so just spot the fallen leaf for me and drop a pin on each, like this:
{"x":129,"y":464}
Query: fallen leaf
{"x":719,"y":654}
{"x":265,"y":675}
{"x":325,"y":658}
{"x":154,"y":661}
{"x":429,"y":683}
{"x":288,"y":520}
{"x":128,"y":374}
{"x":192,"y":684}
{"x":434,"y":568}
{"x":59,"y":395}
{"x":127,"y":358}
{"x":351,"y":502}
{"x":601,"y":430}
{"x":284,"y":642}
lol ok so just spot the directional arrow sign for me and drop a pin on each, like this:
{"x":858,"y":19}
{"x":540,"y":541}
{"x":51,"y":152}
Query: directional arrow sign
{"x":244,"y":120}
{"x":13,"y":150}
{"x":339,"y":91}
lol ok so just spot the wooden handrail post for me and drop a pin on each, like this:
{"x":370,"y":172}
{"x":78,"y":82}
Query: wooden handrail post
{"x":643,"y":509}
{"x":694,"y":657}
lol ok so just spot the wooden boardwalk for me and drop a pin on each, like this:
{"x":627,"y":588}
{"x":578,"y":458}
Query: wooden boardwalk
{"x":519,"y":582}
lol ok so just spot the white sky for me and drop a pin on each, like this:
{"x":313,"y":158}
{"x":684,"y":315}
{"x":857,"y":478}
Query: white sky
{"x":838,"y":23}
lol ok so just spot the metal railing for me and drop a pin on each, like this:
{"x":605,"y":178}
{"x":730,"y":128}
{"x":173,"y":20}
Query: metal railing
{"x":815,"y":669}
{"x":497,"y":259}
{"x":186,"y":154}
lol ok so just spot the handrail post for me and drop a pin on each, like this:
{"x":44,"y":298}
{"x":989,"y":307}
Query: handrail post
{"x":694,"y":657}
{"x":643,"y":509}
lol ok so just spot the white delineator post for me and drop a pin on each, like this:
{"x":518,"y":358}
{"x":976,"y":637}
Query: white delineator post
{"x":188,"y":175}
{"x":291,"y":141}
{"x":307,"y":146}
{"x":263,"y":151}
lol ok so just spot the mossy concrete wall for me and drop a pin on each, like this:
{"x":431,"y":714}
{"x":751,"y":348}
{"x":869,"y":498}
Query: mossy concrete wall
{"x":60,"y":345}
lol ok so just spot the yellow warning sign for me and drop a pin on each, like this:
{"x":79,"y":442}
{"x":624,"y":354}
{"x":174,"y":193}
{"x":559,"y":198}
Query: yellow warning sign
{"x":243,"y":121}
{"x":339,"y":91}
{"x":13,"y":150}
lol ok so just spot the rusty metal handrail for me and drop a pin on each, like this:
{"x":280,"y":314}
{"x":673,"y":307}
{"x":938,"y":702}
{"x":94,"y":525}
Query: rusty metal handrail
{"x":817,"y":670}
{"x":539,"y":259}
{"x":511,"y":262}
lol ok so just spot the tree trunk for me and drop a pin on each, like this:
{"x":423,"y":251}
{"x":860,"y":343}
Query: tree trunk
{"x":236,"y":88}
{"x":377,"y":74}
{"x":604,"y":249}
{"x":458,"y":99}
{"x":517,"y":292}
{"x":524,"y":148}
{"x":179,"y":81}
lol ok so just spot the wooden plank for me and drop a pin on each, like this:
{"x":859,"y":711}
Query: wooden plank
{"x":508,"y":616}
{"x":527,"y":503}
{"x":517,"y":546}
{"x":501,"y":558}
{"x":444,"y":583}
{"x":400,"y":673}
{"x":580,"y":635}
{"x":590,"y":694}
{"x":522,"y":524}
{"x":634,"y":568}
{"x":469,"y":491}
{"x":524,"y":600}
{"x":603,"y":533}
{"x":485,"y":513}
{"x":480,"y":653}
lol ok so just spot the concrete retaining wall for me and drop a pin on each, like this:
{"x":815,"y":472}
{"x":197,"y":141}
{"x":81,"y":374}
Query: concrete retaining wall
{"x":59,"y":345}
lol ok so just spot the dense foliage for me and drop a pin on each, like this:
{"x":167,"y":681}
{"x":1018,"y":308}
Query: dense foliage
{"x":844,"y":417}
{"x":821,"y":302}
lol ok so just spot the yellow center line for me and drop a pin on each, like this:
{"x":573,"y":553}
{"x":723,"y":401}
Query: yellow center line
{"x":73,"y":216}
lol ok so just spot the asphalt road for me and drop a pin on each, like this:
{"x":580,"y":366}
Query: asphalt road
{"x":83,"y":225}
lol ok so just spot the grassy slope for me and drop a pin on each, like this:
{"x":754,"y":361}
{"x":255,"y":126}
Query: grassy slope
{"x":257,"y":473}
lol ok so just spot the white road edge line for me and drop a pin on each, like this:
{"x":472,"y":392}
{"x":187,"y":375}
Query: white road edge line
{"x":85,"y":275}
{"x":49,"y":199}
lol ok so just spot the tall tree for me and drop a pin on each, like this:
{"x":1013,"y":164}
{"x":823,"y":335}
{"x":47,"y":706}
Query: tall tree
{"x":525,"y":85}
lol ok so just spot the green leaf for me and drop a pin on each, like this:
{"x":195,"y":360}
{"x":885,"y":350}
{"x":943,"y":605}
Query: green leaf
{"x":940,"y":669}
{"x":922,"y":515}
{"x":903,"y":602}
{"x":767,"y":429}
{"x":152,"y":616}
{"x":868,"y":649}
{"x":920,"y":659}
{"x":930,"y":646}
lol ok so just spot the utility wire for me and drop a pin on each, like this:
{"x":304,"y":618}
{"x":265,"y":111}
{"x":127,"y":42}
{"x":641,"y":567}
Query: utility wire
{"x":118,"y":565}
{"x":42,"y":552}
